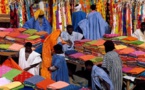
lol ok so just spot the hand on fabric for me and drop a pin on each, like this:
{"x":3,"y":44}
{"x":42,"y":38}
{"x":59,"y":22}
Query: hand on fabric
{"x":69,"y":43}
{"x":52,"y":68}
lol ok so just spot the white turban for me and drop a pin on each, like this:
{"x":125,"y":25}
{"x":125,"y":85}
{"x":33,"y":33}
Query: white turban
{"x":78,"y":8}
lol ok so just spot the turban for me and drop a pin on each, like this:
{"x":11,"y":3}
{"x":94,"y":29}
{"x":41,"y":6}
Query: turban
{"x":78,"y":8}
{"x":37,"y":13}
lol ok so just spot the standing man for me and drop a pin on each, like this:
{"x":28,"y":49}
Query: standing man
{"x":69,"y":37}
{"x":77,"y":16}
{"x":94,"y":27}
{"x":29,"y":60}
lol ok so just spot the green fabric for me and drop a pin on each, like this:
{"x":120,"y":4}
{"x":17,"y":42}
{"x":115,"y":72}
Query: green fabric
{"x":11,"y":74}
{"x":97,"y":59}
{"x":30,"y":31}
{"x":29,"y":86}
{"x":18,"y":88}
{"x":4,"y":46}
{"x":91,"y":42}
{"x":33,"y":37}
{"x":137,"y":42}
{"x":121,"y":37}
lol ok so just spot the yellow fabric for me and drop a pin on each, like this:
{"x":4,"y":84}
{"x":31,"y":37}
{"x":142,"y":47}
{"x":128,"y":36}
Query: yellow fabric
{"x":37,"y":13}
{"x":47,"y":50}
{"x":54,"y":16}
{"x":118,"y":47}
{"x":11,"y":85}
{"x":69,"y":14}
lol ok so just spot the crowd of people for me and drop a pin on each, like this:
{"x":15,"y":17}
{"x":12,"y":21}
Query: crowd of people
{"x":50,"y":61}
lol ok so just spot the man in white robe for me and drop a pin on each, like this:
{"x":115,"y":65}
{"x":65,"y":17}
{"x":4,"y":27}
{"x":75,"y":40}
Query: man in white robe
{"x":140,"y":33}
{"x":70,"y":36}
{"x":29,"y":60}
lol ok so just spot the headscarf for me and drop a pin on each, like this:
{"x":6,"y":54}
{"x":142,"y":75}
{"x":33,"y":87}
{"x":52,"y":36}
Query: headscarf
{"x":78,"y":8}
{"x":37,"y":13}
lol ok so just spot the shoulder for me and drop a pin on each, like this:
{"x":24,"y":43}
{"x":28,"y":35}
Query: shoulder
{"x":35,"y":53}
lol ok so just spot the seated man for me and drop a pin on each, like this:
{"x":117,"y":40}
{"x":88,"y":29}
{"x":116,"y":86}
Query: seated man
{"x":70,"y":36}
{"x":29,"y":60}
{"x":38,"y":22}
{"x":99,"y":78}
{"x":59,"y":68}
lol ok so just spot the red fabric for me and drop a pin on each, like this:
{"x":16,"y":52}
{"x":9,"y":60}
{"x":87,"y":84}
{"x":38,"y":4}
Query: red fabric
{"x":22,"y":77}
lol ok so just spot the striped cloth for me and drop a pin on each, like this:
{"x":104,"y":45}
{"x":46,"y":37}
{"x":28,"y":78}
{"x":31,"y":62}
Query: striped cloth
{"x":113,"y":64}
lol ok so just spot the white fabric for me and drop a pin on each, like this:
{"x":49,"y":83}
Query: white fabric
{"x":4,"y":81}
{"x":33,"y":58}
{"x":73,"y":37}
{"x":78,"y":8}
{"x":41,"y":6}
{"x":138,"y":34}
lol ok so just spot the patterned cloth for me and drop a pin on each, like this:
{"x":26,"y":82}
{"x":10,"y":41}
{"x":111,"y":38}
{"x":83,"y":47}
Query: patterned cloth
{"x":22,"y":77}
{"x":4,"y":69}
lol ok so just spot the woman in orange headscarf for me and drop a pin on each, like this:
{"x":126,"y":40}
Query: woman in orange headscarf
{"x":47,"y":51}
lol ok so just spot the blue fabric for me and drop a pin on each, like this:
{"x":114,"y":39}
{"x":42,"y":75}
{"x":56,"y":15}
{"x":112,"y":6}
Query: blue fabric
{"x":94,"y":27}
{"x":39,"y":49}
{"x":76,"y":18}
{"x":99,"y":72}
{"x":69,"y":52}
{"x":27,"y":88}
{"x":61,"y":74}
{"x":33,"y":80}
{"x":34,"y":24}
{"x":71,"y":87}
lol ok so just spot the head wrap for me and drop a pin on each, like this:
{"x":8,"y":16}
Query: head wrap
{"x":37,"y":13}
{"x":78,"y":8}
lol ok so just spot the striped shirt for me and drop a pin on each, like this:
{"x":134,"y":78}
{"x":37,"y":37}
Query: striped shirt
{"x":113,"y":64}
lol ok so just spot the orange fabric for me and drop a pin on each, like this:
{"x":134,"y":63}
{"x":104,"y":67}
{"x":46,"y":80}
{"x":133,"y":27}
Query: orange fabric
{"x":87,"y":57}
{"x":130,"y":38}
{"x":14,"y":34}
{"x":19,"y":29}
{"x":126,"y":51}
{"x":99,"y":42}
{"x":136,"y":70}
{"x":41,"y":33}
{"x":47,"y":50}
{"x":11,"y":63}
{"x":43,"y":84}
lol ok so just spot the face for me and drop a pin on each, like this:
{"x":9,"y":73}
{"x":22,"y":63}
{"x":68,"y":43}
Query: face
{"x":28,"y":49}
{"x":143,"y":27}
{"x":40,"y":20}
{"x":70,"y":30}
{"x":89,"y":68}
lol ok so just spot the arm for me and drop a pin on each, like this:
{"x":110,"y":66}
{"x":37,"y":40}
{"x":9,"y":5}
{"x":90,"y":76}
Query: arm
{"x":32,"y":66}
{"x":29,"y":24}
{"x":47,"y":26}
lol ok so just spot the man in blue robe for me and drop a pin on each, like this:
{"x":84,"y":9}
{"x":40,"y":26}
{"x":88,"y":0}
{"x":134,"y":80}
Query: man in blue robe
{"x":77,"y":16}
{"x":38,"y":22}
{"x":99,"y":77}
{"x":59,"y":67}
{"x":94,"y":27}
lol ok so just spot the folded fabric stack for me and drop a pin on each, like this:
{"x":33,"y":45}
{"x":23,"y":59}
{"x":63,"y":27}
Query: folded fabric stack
{"x":137,"y":53}
{"x":58,"y":85}
{"x":99,"y":42}
{"x":13,"y":47}
{"x":11,"y":74}
{"x":5,"y":46}
{"x":126,"y":69}
{"x":3,"y":34}
{"x":136,"y":70}
{"x":23,"y":36}
{"x":33,"y":81}
{"x":119,"y":38}
{"x":110,"y":35}
{"x":126,"y":50}
{"x":71,"y":87}
{"x":86,"y":58}
{"x":118,"y":47}
{"x":137,"y":42}
{"x":97,"y":59}
{"x":6,"y":29}
{"x":22,"y":77}
{"x":30,"y":31}
{"x":12,"y":86}
{"x":69,"y":52}
{"x":130,"y":38}
{"x":19,"y":29}
{"x":41,"y":33}
{"x":42,"y":85}
{"x":142,"y":46}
